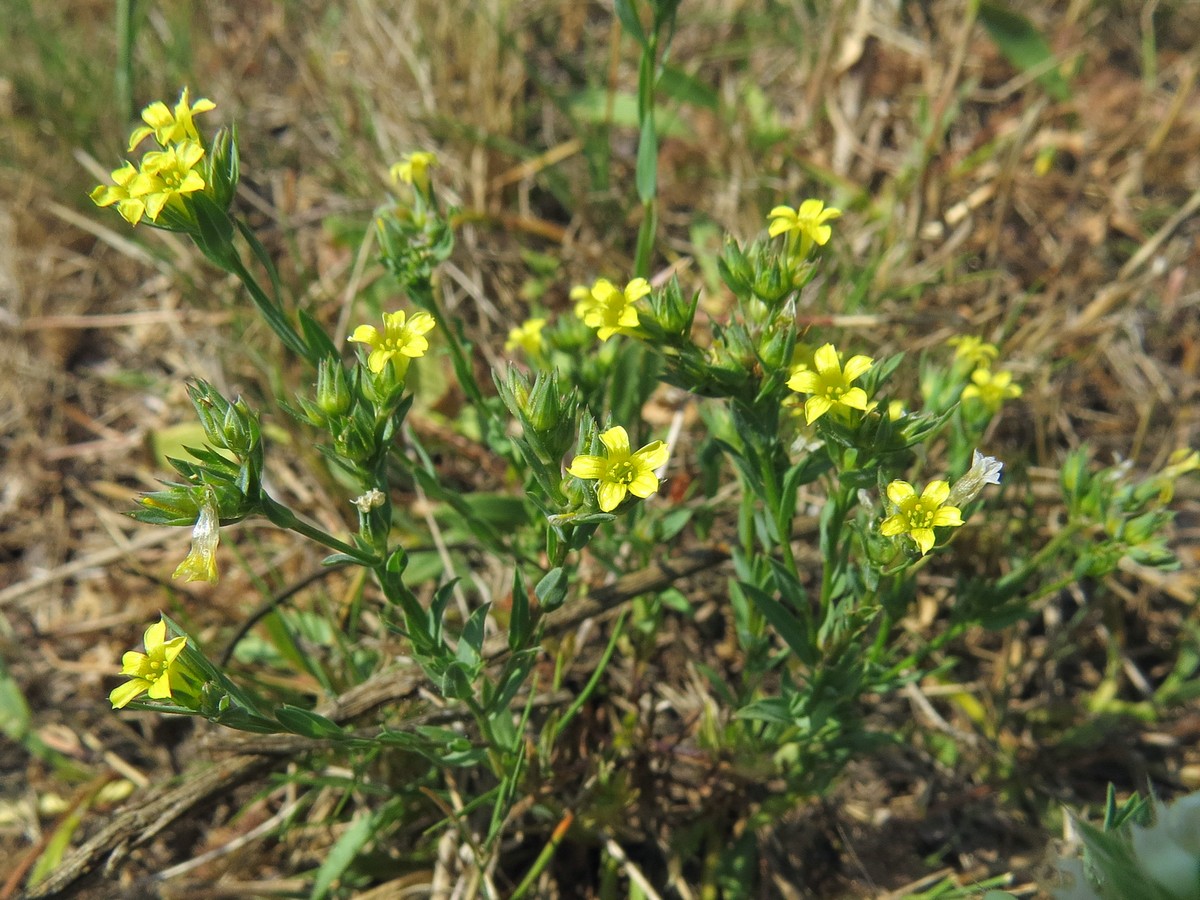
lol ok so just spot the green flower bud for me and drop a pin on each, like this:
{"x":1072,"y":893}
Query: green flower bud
{"x":775,"y":347}
{"x":333,"y":394}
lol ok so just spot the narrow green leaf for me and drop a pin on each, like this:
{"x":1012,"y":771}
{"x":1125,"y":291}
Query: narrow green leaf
{"x":678,"y":85}
{"x":519,"y":616}
{"x":786,"y":625}
{"x":552,"y":589}
{"x":647,"y":161}
{"x":343,"y":853}
{"x":630,"y":21}
{"x":307,"y":723}
{"x":1023,"y":46}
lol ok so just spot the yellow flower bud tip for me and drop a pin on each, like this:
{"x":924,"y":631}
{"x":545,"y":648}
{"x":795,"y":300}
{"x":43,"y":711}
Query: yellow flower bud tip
{"x":151,"y":672}
{"x":201,"y":562}
{"x":620,"y":472}
{"x":402,"y":336}
{"x":414,"y":169}
{"x":830,"y":384}
{"x":917,"y":515}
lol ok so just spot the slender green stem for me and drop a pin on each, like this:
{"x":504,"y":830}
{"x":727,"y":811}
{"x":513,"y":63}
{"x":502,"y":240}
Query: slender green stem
{"x":1013,"y":580}
{"x":285,"y":518}
{"x":270,"y":310}
{"x":124,"y":75}
{"x":594,"y":680}
{"x":547,"y":854}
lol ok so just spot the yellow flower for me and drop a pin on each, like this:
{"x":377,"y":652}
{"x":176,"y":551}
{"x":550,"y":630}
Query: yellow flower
{"x":918,"y":516}
{"x":609,"y":310}
{"x":170,"y":127}
{"x":131,"y":208}
{"x":201,"y":562}
{"x":991,"y":388}
{"x":527,"y":336}
{"x":581,"y":296}
{"x":973,"y":350}
{"x":1179,"y":463}
{"x":166,"y":175}
{"x":402,"y":336}
{"x":806,"y":223}
{"x":620,"y":472}
{"x":829,"y":385}
{"x":150,"y":672}
{"x":414,"y":169}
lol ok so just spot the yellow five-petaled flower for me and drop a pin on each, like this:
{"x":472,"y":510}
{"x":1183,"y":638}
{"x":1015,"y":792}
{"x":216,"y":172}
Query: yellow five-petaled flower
{"x":149,"y":673}
{"x":806,"y":223}
{"x":829,"y":385}
{"x":991,"y":388}
{"x":414,"y":169}
{"x":527,"y":336}
{"x":973,"y":350}
{"x":170,"y":127}
{"x":167,"y":174}
{"x":130,"y":207}
{"x":609,"y":309}
{"x":402,"y":336}
{"x":620,"y":472}
{"x":917,"y":516}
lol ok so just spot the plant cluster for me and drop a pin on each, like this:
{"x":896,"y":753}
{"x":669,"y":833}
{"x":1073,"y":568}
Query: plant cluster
{"x":850,"y":485}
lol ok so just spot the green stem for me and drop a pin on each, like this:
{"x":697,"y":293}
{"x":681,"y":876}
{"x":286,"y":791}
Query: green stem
{"x":285,"y":518}
{"x":124,"y":73}
{"x":781,"y":516}
{"x":1011,"y":582}
{"x":271,"y":311}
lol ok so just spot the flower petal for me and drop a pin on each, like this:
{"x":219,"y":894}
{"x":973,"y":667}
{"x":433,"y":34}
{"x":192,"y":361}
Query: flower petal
{"x":899,"y":491}
{"x":936,"y":492}
{"x":815,"y":407}
{"x":637,"y":289}
{"x":616,"y":441}
{"x":155,"y":636}
{"x":805,"y":382}
{"x":423,"y":322}
{"x":855,"y":398}
{"x":121,"y":696}
{"x":893,"y":525}
{"x":585,"y":466}
{"x":948,"y":516}
{"x":644,"y":485}
{"x":610,"y":495}
{"x":826,"y":360}
{"x":651,"y":456}
{"x":778,"y":227}
{"x":378,"y":359}
{"x":924,"y":538}
{"x":856,"y":367}
{"x":160,"y":688}
{"x":132,"y":662}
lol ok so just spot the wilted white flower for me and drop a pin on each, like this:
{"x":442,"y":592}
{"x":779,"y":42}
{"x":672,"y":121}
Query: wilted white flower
{"x":984,"y":470}
{"x":369,"y":501}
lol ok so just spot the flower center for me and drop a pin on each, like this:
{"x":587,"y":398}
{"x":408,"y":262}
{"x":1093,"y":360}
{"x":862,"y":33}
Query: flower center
{"x":835,"y":391}
{"x":921,"y":516}
{"x":622,"y":473}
